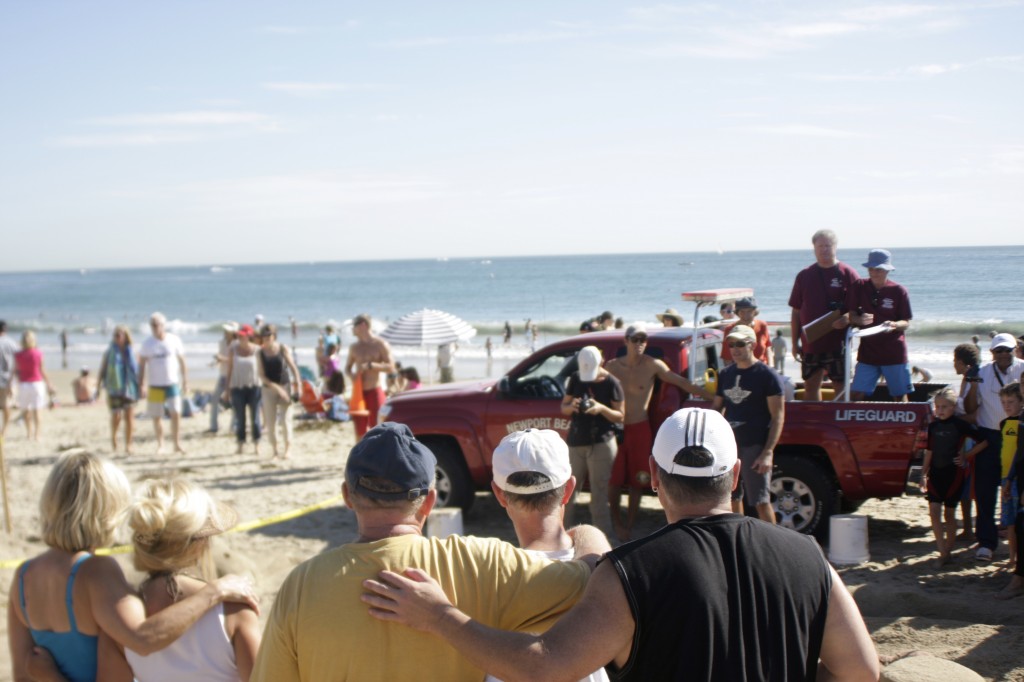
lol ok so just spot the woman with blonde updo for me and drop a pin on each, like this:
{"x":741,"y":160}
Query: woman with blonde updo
{"x":62,"y":599}
{"x":172,"y":523}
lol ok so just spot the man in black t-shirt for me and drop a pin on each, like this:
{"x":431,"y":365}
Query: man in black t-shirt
{"x":711,"y":596}
{"x":751,"y":394}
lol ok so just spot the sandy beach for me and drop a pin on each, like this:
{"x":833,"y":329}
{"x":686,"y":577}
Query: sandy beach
{"x":909,"y":604}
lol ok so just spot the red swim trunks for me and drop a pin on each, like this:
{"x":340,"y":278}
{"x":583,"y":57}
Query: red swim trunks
{"x":631,"y":463}
{"x":374,"y":398}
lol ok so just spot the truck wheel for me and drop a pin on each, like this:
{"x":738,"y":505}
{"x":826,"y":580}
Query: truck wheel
{"x":454,"y":487}
{"x":803,"y":495}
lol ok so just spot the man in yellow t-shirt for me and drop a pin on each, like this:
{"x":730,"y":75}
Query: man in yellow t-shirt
{"x":318,"y":629}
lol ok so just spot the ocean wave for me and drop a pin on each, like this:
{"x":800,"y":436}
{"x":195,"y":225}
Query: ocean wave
{"x":934,"y":328}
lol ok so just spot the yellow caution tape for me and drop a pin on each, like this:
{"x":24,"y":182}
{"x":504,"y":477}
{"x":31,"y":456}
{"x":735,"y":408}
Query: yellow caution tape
{"x":240,"y":528}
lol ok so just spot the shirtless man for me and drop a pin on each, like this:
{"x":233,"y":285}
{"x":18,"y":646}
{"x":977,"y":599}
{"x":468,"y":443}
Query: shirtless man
{"x":367,"y":358}
{"x":637,"y":372}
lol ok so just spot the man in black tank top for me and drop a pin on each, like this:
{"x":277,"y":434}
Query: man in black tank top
{"x":711,"y":596}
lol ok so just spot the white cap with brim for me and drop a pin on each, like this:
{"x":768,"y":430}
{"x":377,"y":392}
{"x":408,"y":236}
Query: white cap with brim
{"x":589,"y":360}
{"x":1003,"y":340}
{"x":230,"y":327}
{"x":693,"y":426}
{"x":540,"y":451}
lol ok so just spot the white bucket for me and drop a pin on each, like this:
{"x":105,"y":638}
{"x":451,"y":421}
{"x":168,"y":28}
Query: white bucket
{"x":444,"y":522}
{"x":848,"y":539}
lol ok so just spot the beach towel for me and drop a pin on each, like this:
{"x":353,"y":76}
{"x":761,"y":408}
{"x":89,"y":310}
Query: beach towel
{"x":121,"y":378}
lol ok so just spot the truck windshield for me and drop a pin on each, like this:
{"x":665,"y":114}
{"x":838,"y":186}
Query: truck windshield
{"x":546,"y":378}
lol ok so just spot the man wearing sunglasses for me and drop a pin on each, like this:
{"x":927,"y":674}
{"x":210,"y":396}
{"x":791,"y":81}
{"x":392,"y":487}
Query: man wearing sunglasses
{"x":637,"y":372}
{"x":983,"y":396}
{"x":750,"y":396}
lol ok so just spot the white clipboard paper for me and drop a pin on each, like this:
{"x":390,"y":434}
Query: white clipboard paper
{"x":871,"y":331}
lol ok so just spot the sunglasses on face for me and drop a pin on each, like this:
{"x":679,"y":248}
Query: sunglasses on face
{"x":638,"y":339}
{"x":738,"y":344}
{"x":1002,"y":350}
{"x":728,"y":310}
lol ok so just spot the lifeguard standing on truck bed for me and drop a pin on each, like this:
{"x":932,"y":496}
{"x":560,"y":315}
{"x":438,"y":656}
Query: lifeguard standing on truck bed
{"x":818,"y":301}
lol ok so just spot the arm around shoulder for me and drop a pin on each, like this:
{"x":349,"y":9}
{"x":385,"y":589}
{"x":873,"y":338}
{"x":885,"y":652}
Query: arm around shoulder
{"x":120,"y":613}
{"x":589,"y":543}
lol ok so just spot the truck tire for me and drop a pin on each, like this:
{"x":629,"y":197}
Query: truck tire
{"x":803,"y":495}
{"x":454,"y":486}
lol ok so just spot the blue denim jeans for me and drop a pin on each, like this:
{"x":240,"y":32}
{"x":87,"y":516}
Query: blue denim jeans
{"x":986,"y":485}
{"x":242,"y":398}
{"x":215,"y":403}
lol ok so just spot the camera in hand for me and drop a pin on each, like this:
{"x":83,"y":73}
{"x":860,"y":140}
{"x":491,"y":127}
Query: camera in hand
{"x":586,"y":402}
{"x":971,"y":375}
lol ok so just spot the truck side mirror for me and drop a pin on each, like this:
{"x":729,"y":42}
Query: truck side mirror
{"x":503,"y":385}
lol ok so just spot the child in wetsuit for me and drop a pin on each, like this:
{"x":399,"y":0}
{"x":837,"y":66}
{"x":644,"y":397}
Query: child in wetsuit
{"x":943,"y":475}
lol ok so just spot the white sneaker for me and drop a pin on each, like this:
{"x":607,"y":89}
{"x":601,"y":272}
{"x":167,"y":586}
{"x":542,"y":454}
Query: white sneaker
{"x":983,"y":554}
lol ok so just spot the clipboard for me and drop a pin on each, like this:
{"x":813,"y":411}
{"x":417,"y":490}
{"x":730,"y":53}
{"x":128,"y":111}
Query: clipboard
{"x":818,"y":328}
{"x":871,"y":331}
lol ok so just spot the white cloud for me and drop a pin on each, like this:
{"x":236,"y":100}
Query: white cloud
{"x":886,"y":13}
{"x":308,"y":89}
{"x":535,"y":37}
{"x":934,"y":69}
{"x":1013,"y":62}
{"x":413,"y":43}
{"x":125,"y":140}
{"x":148,"y":130}
{"x":800,"y":130}
{"x":303,"y":30}
{"x":818,"y":30}
{"x":185,"y":118}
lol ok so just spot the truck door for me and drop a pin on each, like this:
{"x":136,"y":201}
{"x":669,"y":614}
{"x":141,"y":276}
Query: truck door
{"x":531,"y":398}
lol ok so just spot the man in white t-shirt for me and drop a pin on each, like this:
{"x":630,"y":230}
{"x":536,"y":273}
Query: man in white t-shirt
{"x":163,"y":356}
{"x":983,"y":396}
{"x":533,"y":481}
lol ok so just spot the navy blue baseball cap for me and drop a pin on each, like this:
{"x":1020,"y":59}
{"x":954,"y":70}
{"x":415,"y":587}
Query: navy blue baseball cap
{"x":389,"y":452}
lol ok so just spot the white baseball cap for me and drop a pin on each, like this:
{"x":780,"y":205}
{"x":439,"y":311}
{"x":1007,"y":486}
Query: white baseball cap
{"x":1003,"y":340}
{"x":692,"y":426}
{"x":538,"y":450}
{"x":589,"y":360}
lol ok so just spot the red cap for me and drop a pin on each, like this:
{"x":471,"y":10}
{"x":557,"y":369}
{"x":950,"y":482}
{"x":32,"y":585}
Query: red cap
{"x":246,"y":330}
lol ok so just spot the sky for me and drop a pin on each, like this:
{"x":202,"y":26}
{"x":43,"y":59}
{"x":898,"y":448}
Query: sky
{"x":174,"y":133}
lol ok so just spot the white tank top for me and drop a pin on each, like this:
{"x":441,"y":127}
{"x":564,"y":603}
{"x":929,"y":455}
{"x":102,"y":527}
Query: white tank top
{"x":244,"y":370}
{"x":202,"y":654}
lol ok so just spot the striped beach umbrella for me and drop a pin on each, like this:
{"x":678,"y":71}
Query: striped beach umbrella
{"x":428,"y":328}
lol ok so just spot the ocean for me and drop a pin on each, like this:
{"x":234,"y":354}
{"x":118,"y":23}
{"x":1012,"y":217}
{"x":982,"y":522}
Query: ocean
{"x":955,"y":293}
